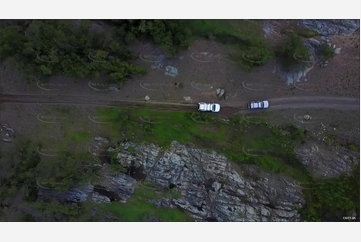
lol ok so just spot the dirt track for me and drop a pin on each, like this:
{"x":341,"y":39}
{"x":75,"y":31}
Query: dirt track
{"x":340,"y":103}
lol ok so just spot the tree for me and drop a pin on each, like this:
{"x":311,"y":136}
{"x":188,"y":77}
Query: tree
{"x":11,"y":41}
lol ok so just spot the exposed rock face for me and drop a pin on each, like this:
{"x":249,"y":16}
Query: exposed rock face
{"x":108,"y":188}
{"x":212,"y":189}
{"x":267,"y":29}
{"x":292,"y":76}
{"x":326,"y":162}
{"x":300,"y":72}
{"x":331,"y":27}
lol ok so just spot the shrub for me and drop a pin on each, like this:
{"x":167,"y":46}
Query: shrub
{"x":292,"y":47}
{"x":326,"y":52}
{"x":306,"y":32}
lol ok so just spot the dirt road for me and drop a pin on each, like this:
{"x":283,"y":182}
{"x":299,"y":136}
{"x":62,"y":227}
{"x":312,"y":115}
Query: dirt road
{"x":313,"y":102}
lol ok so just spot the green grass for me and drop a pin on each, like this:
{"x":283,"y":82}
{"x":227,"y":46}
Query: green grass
{"x":227,"y":139}
{"x":172,"y":193}
{"x":78,"y":136}
{"x":179,"y":126}
{"x":278,"y":155}
{"x":69,"y":133}
{"x":137,"y":209}
{"x":170,"y":126}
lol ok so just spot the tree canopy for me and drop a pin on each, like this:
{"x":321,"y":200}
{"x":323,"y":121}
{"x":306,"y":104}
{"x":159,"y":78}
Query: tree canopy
{"x":48,"y":47}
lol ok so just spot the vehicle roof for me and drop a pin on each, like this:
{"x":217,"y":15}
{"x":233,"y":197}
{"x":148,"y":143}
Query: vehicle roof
{"x":217,"y":107}
{"x":209,"y":106}
{"x":256,"y":104}
{"x":266,"y":104}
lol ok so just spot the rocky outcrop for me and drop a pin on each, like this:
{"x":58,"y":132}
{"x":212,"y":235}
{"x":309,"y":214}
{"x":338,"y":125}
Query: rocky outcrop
{"x":211,"y":188}
{"x":325,"y":28}
{"x":299,"y":72}
{"x":291,"y":76}
{"x":107,"y":189}
{"x":330,"y":27}
{"x":327,"y":162}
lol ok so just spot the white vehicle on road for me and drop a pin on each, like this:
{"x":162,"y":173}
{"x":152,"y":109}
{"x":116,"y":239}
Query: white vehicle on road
{"x":258,"y":104}
{"x":209,"y":107}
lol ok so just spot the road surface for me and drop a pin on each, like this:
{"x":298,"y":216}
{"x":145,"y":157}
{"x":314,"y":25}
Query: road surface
{"x":304,"y":102}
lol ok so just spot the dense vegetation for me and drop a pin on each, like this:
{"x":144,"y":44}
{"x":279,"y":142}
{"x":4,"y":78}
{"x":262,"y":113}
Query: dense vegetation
{"x":292,"y":52}
{"x":20,"y":174}
{"x":50,"y":47}
{"x":23,"y":169}
{"x":333,"y":199}
{"x":170,"y":35}
{"x":246,"y":43}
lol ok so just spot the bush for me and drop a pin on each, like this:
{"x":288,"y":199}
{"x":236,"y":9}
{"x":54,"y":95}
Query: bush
{"x":295,"y":132}
{"x":21,"y":172}
{"x":352,"y":147}
{"x":11,"y":42}
{"x":326,"y":52}
{"x":306,"y":32}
